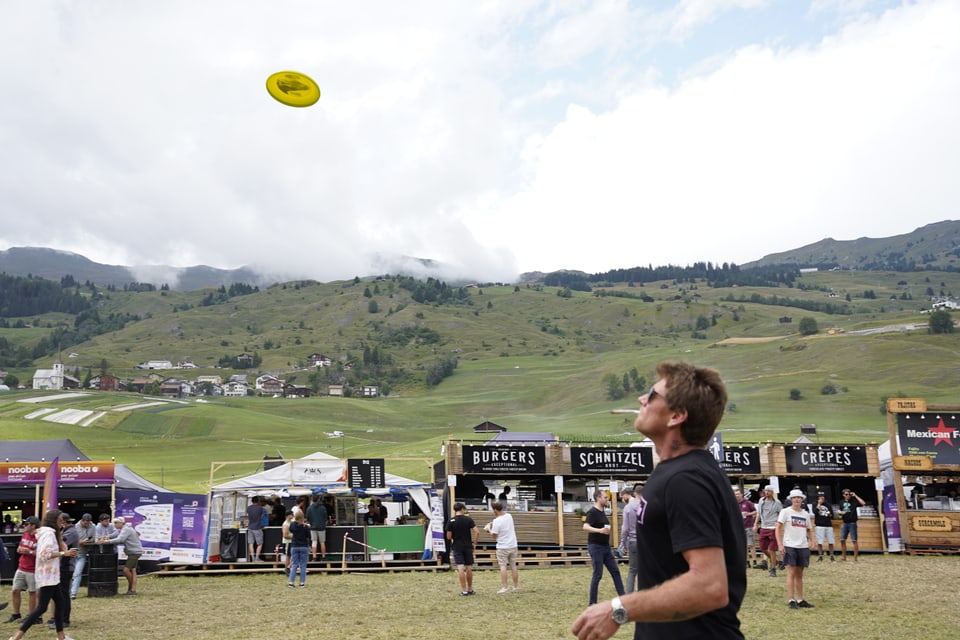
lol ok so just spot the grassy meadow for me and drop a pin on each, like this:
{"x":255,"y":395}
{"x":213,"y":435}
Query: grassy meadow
{"x":877,"y":598}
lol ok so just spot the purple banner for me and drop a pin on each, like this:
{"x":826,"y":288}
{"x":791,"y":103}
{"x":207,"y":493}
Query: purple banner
{"x":172,"y":526}
{"x":891,"y":516}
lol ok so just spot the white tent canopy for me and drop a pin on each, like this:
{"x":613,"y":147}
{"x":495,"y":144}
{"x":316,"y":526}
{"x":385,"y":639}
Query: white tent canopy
{"x":317,"y":471}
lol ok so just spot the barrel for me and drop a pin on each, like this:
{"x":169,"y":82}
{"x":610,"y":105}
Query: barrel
{"x":102,"y":576}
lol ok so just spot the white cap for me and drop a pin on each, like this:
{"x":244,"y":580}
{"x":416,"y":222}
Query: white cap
{"x":796,"y":493}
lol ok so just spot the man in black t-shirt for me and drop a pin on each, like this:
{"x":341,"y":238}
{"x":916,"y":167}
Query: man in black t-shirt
{"x":689,"y":528}
{"x":463,"y":535}
{"x":597,"y":527}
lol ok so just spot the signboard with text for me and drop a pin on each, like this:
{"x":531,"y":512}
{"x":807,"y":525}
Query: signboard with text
{"x":802,"y":459}
{"x":171,"y":526}
{"x":611,"y":460}
{"x":930,"y":434}
{"x":744,"y":461}
{"x":366,"y":473}
{"x":501,"y":460}
{"x":80,"y":472}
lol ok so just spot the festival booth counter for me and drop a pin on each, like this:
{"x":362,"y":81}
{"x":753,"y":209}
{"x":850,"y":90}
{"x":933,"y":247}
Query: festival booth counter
{"x":925,"y":452}
{"x":161,"y":517}
{"x":552,"y":483}
{"x":830,"y":468}
{"x":347,"y":481}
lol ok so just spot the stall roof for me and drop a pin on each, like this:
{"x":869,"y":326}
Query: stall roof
{"x":523,"y":436}
{"x":315,"y":470}
{"x":66,"y":451}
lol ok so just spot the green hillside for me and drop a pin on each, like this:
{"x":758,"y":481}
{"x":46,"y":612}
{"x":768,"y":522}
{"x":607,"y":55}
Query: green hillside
{"x":527,"y":358}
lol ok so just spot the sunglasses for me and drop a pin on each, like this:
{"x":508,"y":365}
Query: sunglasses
{"x":652,"y":395}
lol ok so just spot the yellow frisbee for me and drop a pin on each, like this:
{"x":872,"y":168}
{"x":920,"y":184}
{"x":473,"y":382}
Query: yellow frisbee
{"x":293,"y":89}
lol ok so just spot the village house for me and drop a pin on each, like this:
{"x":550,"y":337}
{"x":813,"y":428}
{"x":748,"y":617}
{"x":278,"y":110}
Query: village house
{"x":335,"y":390}
{"x":107,"y":382}
{"x":296,"y":391}
{"x":235,"y":388}
{"x":318,"y":360}
{"x":267,"y":385}
{"x":370,"y":391}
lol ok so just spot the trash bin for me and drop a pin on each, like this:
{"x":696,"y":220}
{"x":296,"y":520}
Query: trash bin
{"x":102,"y":575}
{"x":228,"y":544}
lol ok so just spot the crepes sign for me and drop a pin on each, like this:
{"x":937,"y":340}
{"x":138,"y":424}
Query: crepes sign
{"x":826,"y":459}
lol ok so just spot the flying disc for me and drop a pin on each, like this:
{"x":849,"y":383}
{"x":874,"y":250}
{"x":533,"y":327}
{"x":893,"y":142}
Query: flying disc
{"x":293,"y":89}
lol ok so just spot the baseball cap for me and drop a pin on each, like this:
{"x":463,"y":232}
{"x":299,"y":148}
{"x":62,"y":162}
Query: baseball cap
{"x":769,"y":487}
{"x":31,"y":520}
{"x":66,"y":517}
{"x":796,"y":493}
{"x":104,"y":516}
{"x":86,"y":517}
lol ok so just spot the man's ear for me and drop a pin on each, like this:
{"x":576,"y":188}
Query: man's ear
{"x":677,"y":417}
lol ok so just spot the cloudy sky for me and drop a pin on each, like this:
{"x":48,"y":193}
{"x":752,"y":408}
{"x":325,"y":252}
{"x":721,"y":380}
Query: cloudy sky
{"x":494,"y":136}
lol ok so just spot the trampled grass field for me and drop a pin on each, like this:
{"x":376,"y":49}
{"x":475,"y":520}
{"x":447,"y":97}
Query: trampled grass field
{"x":877,"y":598}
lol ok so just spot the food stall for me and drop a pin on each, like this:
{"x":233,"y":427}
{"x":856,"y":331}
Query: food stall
{"x":552,"y":482}
{"x":830,"y":468}
{"x":925,"y":452}
{"x":349,"y":481}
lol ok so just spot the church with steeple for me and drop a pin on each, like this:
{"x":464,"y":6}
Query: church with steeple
{"x":50,"y":379}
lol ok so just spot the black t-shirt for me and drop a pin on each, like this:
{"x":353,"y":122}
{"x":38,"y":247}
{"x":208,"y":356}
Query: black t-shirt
{"x":300,"y":532}
{"x":461,"y":528}
{"x":687,"y":504}
{"x":823,"y":515}
{"x":598,"y":519}
{"x":849,"y":505}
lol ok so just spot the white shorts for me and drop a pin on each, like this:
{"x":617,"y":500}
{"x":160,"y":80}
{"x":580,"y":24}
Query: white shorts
{"x":824,"y":534}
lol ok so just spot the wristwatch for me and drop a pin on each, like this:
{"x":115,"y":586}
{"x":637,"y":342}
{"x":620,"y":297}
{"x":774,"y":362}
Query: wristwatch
{"x":620,"y":615}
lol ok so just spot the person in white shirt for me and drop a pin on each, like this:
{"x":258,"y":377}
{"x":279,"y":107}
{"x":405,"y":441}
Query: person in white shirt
{"x":795,"y":537}
{"x":501,"y":528}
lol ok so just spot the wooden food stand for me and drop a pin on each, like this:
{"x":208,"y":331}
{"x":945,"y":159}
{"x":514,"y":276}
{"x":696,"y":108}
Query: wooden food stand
{"x":925,"y":450}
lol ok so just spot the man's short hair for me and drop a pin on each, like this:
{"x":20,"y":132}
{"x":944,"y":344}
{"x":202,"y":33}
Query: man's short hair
{"x":700,"y":392}
{"x":497,"y":506}
{"x":458,"y":506}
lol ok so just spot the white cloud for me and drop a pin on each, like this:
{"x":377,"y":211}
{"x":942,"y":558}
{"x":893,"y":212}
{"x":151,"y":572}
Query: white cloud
{"x":490,"y":136}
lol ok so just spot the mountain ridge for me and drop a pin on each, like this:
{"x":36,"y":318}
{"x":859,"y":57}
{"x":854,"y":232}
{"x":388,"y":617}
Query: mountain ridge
{"x":935,"y":246}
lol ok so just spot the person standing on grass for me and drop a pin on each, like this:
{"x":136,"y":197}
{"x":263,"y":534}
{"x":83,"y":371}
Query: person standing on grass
{"x":461,"y":532}
{"x":130,"y":539}
{"x":317,"y":516}
{"x":848,"y":511}
{"x":85,"y":536}
{"x":299,"y":549}
{"x":501,"y":528}
{"x":597,"y":527}
{"x":287,"y":539}
{"x":48,"y":553}
{"x":70,"y":537}
{"x":823,"y":522}
{"x":749,"y":512}
{"x":628,"y":534}
{"x":25,"y":578}
{"x":795,"y":538}
{"x":689,"y":529}
{"x":255,"y":513}
{"x":768,"y":510}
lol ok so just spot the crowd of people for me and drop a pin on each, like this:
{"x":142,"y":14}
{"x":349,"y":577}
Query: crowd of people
{"x":51,"y":556}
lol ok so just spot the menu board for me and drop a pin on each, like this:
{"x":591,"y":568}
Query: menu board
{"x":366,"y":473}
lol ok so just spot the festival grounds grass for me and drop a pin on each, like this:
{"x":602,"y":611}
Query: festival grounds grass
{"x":878,"y":597}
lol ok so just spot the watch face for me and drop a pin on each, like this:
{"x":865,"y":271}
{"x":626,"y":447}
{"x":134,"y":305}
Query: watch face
{"x":620,"y":616}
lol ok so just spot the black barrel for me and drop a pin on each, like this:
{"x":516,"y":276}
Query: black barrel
{"x":102,"y":576}
{"x":229,"y":539}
